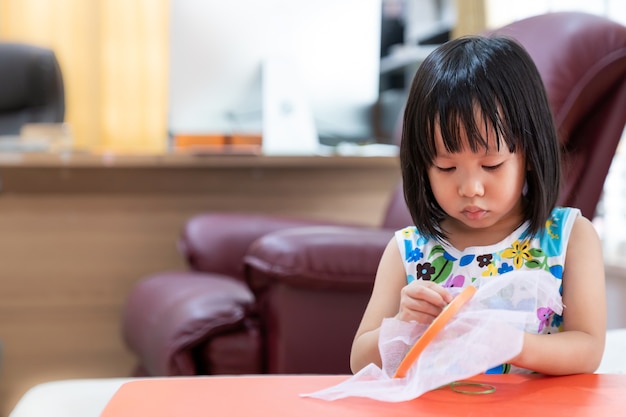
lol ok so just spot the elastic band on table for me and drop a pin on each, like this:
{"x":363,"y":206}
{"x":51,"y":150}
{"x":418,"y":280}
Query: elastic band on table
{"x":488,"y":389}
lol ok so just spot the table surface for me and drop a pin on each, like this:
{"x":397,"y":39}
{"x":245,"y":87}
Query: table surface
{"x":515,"y":395}
{"x":185,"y":160}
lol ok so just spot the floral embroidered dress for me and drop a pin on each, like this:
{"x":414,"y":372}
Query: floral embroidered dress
{"x":436,"y":260}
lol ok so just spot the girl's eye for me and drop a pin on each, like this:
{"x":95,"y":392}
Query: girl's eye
{"x":445,"y":169}
{"x":492,"y":167}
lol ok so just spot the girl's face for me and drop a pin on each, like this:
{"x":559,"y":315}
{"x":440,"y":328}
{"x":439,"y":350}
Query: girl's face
{"x":479,"y":190}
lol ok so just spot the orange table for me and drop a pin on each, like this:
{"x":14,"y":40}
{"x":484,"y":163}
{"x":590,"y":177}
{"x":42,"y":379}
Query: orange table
{"x":516,"y":395}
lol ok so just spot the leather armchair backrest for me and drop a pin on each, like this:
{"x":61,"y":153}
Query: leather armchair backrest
{"x":582,"y":61}
{"x":31,"y":86}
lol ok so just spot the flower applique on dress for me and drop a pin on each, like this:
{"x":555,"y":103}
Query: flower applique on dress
{"x":544,"y":314}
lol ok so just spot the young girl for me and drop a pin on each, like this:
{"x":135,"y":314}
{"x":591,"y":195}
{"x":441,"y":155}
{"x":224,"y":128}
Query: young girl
{"x":481,"y":172}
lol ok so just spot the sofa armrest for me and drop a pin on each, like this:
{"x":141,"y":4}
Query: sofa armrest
{"x":317,"y":257}
{"x":312,"y":285}
{"x":169,"y":315}
{"x":217,"y":242}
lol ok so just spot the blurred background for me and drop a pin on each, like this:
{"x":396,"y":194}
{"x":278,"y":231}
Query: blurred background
{"x":132,"y":71}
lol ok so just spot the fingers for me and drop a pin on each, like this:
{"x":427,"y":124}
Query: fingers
{"x":422,"y":301}
{"x":430,"y":292}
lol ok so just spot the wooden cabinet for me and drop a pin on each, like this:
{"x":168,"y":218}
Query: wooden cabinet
{"x":78,"y":231}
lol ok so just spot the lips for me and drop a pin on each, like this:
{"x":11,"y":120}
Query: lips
{"x":474,"y":213}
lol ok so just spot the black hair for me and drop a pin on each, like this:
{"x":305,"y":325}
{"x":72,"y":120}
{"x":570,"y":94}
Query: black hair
{"x":495,"y":77}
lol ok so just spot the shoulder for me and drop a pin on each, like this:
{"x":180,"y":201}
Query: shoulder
{"x":583,"y":232}
{"x":407,"y":232}
{"x":584,"y":248}
{"x":554,"y":239}
{"x":561,"y":223}
{"x":572,"y":220}
{"x":411,"y":233}
{"x":407,"y":237}
{"x":563,"y":215}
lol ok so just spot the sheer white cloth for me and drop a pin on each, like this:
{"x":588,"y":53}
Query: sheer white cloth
{"x":486,"y":332}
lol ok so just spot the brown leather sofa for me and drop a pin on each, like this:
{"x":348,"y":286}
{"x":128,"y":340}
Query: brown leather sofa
{"x":31,"y":87}
{"x":275,"y":295}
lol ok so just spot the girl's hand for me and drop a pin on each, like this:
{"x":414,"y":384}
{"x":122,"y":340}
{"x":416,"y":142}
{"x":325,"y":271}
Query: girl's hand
{"x":422,"y":301}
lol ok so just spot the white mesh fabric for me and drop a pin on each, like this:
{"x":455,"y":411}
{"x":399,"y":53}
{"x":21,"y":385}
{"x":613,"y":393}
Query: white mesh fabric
{"x":486,"y":332}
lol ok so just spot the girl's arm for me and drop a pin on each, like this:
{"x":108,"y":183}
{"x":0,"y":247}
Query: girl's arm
{"x":419,"y":301}
{"x":579,"y":347}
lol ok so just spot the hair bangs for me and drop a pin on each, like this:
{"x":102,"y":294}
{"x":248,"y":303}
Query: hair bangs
{"x":462,"y":121}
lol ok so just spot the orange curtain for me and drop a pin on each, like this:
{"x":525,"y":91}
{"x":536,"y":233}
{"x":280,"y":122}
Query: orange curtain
{"x":471,"y":17}
{"x":114,"y":58}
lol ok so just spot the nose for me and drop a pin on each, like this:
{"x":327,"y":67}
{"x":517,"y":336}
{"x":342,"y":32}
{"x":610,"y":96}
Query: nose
{"x":471,"y":186}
